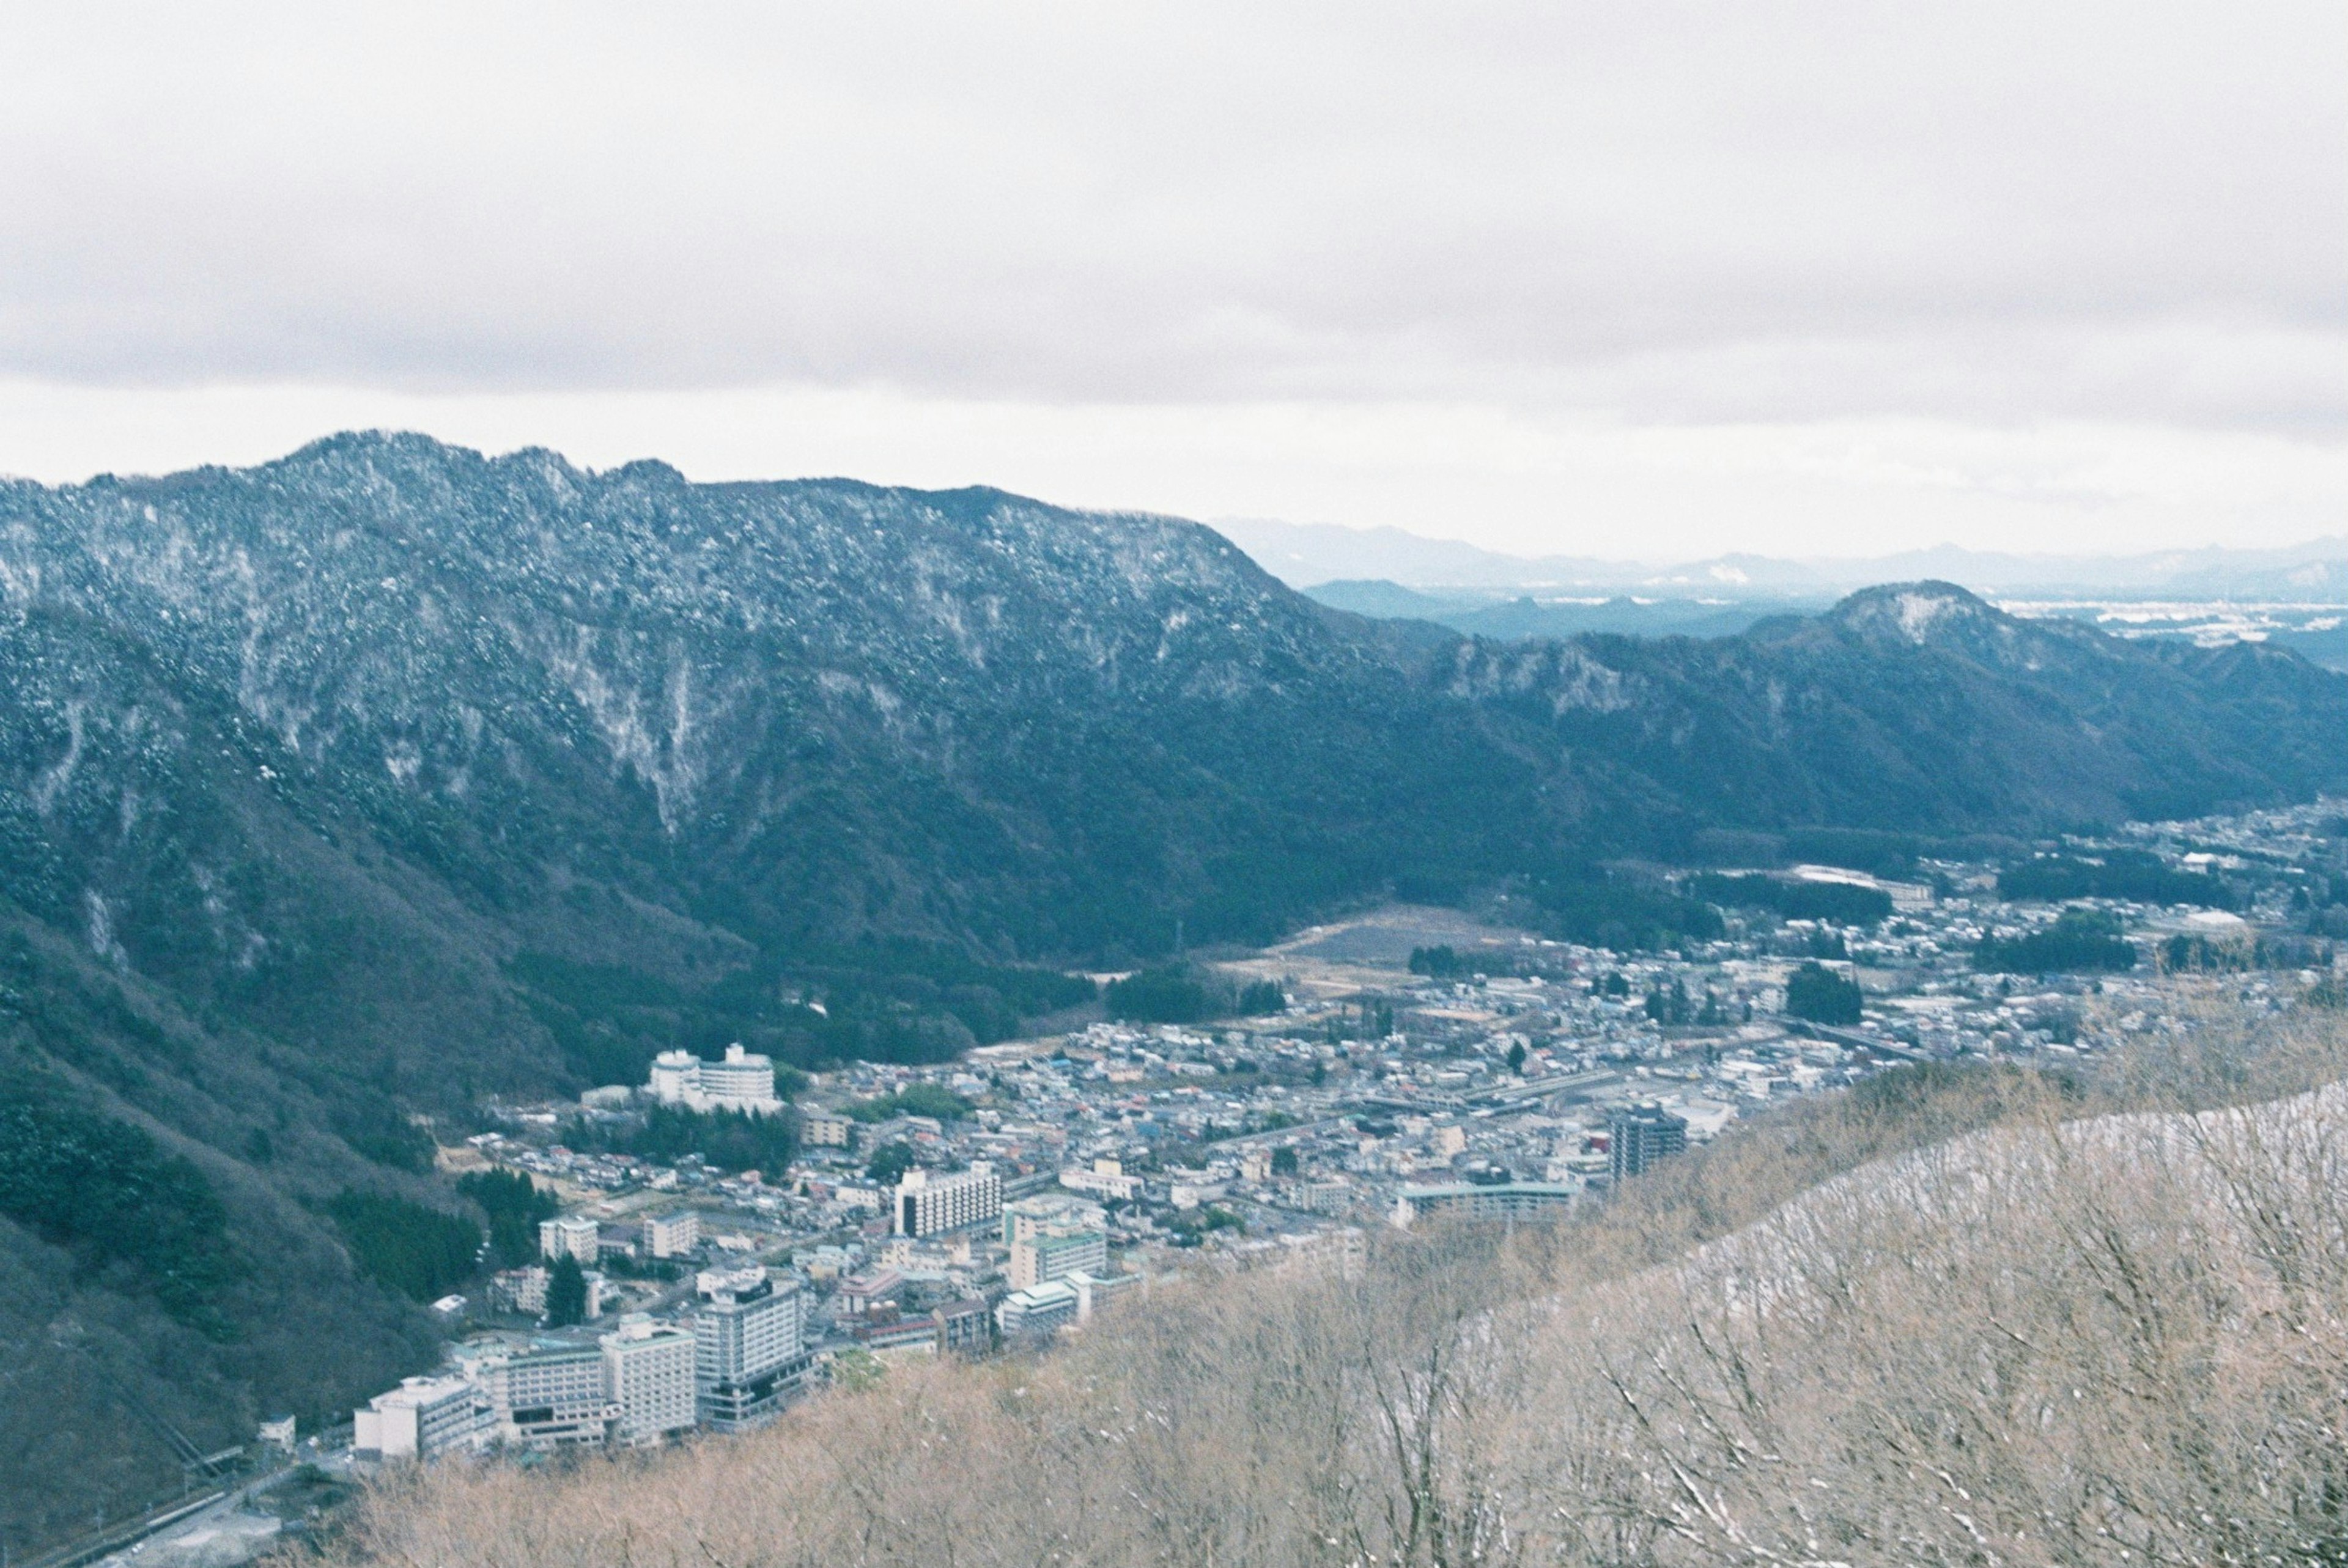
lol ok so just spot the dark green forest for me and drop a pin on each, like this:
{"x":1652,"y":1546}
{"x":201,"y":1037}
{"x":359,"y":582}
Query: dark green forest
{"x":1602,"y":908}
{"x":931,"y":1099}
{"x":728,"y":1140}
{"x":131,"y":1214}
{"x":879,"y":1000}
{"x":2080,"y":941}
{"x":2128,"y":874}
{"x":1822,"y":996}
{"x":1188,"y":993}
{"x":514,"y":1205}
{"x":422,"y":1252}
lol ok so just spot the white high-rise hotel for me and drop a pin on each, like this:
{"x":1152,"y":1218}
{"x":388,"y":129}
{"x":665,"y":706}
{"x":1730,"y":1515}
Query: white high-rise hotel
{"x":749,"y":1345}
{"x":743,"y":1081}
{"x":927,"y":1204}
{"x":648,"y":1367}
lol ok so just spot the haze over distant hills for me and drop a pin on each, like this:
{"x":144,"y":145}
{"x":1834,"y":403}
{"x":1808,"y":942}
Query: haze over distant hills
{"x":1304,"y":554}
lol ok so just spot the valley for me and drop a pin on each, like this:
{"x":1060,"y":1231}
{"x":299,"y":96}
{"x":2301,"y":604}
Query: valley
{"x":358,"y":801}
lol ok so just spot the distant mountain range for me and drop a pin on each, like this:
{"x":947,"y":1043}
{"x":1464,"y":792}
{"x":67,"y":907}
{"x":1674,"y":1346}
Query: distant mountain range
{"x":1509,"y":619}
{"x":1305,"y":555}
{"x":354,"y":788}
{"x":2315,"y":631}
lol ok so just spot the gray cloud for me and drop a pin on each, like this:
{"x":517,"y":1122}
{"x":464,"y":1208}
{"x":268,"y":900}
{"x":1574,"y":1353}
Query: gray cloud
{"x":1680,"y":213}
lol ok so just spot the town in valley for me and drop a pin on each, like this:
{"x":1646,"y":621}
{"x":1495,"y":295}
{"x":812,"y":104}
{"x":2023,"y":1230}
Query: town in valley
{"x":1419,"y":1066}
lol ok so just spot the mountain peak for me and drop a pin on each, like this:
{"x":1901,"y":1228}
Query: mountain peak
{"x":1921,"y":613}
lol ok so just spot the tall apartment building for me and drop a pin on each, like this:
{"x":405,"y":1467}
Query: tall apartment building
{"x":672,"y":1235}
{"x":1640,"y":1136}
{"x":926,"y":1204}
{"x":422,"y":1419}
{"x":552,"y":1397}
{"x":648,"y":1371}
{"x":749,"y":1346}
{"x":1056,"y":1251}
{"x":572,"y":1233}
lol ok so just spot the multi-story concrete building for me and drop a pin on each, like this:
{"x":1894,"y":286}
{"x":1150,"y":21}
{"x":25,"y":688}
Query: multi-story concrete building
{"x":749,"y":1346}
{"x":672,"y":1234}
{"x":422,"y":1419}
{"x":648,"y":1372}
{"x":825,"y":1130}
{"x":1504,"y":1202}
{"x":1195,"y":1194}
{"x":1640,"y":1136}
{"x":1094,"y":1291}
{"x":1037,"y":1313}
{"x":1056,"y":1251}
{"x":742,"y":1080}
{"x":551,"y":1397}
{"x":676,"y":1076}
{"x":1322,"y":1196}
{"x":860,"y":1293}
{"x":964,"y":1328}
{"x":1105,"y":1179}
{"x":927,"y":1204}
{"x":1026,"y":1217}
{"x":521,"y":1290}
{"x":573,"y":1234}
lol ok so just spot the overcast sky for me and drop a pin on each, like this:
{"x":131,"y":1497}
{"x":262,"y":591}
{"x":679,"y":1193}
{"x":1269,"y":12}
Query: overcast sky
{"x":1643,"y":280}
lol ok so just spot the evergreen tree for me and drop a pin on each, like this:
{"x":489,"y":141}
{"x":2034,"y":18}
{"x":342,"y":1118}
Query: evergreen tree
{"x":420,"y":1252}
{"x":566,"y":1293}
{"x":1820,"y":995}
{"x":889,"y":1162}
{"x":515,"y":1206}
{"x":1262,"y":997}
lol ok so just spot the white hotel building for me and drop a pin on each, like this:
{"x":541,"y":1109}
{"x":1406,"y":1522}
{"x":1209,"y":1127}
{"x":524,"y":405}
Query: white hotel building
{"x":750,"y":1340}
{"x":422,"y":1419}
{"x":927,"y":1204}
{"x":743,"y":1081}
{"x":648,"y":1369}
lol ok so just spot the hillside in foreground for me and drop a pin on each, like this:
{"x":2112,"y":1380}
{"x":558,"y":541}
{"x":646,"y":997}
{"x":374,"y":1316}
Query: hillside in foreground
{"x":2020,"y":1321}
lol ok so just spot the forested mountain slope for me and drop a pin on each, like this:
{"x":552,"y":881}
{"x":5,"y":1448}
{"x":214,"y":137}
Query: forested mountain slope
{"x":805,"y":712}
{"x":362,"y":783}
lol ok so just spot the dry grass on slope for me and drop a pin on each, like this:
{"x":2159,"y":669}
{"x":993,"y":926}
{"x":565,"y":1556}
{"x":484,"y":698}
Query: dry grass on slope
{"x":2052,"y":1323}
